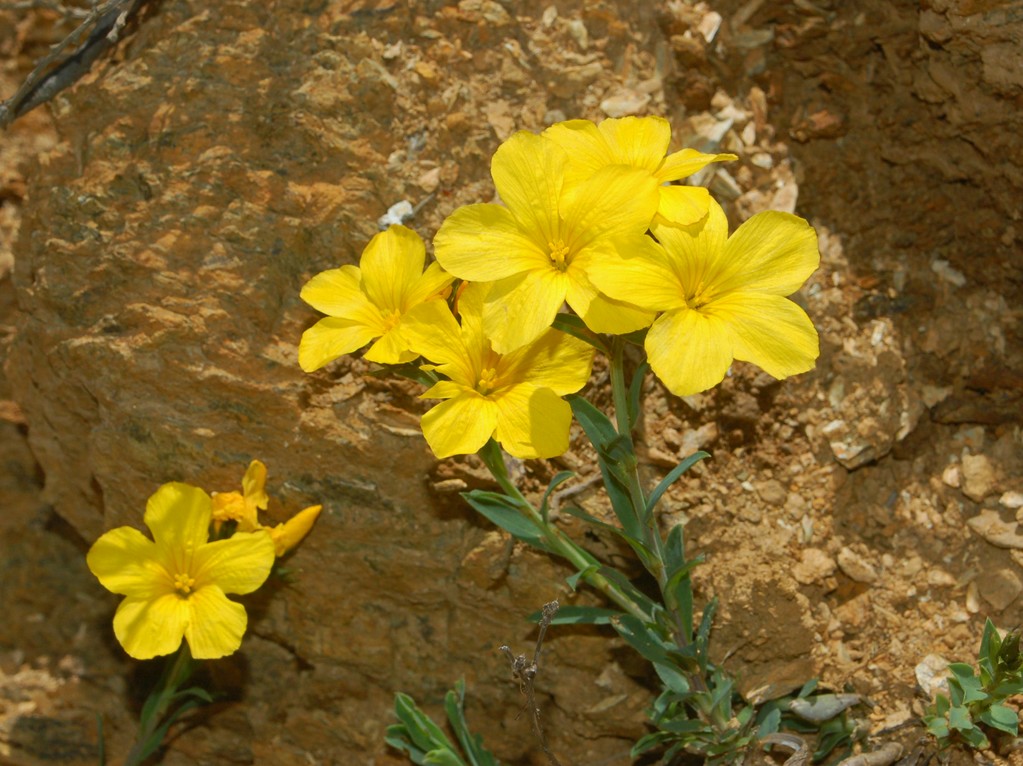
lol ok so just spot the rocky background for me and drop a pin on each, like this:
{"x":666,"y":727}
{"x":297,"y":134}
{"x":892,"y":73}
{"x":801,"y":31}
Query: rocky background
{"x":159,"y":220}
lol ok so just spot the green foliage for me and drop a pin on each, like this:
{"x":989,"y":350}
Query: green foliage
{"x":976,"y":701}
{"x":426,"y":743}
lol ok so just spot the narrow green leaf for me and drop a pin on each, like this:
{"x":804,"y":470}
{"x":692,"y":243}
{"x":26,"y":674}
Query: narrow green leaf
{"x":582,"y":615}
{"x":690,"y":726}
{"x":640,"y":599}
{"x":574,"y":579}
{"x":442,"y":757}
{"x":641,"y":638}
{"x":703,"y":633}
{"x":636,"y":391}
{"x":673,"y":679}
{"x":1001,"y":717}
{"x":808,"y":688}
{"x":644,"y":554}
{"x":672,"y":476}
{"x":472,"y":744}
{"x":504,"y":512}
{"x":421,"y":729}
{"x":559,"y":478}
{"x":769,"y":723}
{"x":611,"y":449}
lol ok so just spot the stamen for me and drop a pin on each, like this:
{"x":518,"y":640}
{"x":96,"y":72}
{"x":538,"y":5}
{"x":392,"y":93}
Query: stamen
{"x":487,"y":381}
{"x":559,"y":253}
{"x":184,"y":583}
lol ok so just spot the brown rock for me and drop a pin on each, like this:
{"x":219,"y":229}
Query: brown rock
{"x":979,"y":477}
{"x":1001,"y":588}
{"x":813,"y":567}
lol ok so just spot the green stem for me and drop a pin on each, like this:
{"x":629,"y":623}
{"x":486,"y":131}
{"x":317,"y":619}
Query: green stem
{"x":161,"y":699}
{"x":651,"y":532}
{"x":558,"y":541}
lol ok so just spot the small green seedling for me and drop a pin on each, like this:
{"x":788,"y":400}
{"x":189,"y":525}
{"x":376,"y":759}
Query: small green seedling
{"x":973,"y":702}
{"x":425,"y":741}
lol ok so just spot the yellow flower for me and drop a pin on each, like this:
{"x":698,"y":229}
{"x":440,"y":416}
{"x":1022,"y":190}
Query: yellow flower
{"x":368,"y":301}
{"x":242,"y":507}
{"x":723,"y":297}
{"x":514,"y":398}
{"x":289,"y":534}
{"x":639,"y":142}
{"x":175,"y":587}
{"x":537,"y":251}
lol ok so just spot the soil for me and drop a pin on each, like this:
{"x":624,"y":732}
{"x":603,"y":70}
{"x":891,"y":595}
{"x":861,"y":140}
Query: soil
{"x":855,"y":519}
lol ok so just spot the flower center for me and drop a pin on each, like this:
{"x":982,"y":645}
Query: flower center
{"x":698,"y":298}
{"x":559,"y":254}
{"x":183,"y":583}
{"x":391,"y":319}
{"x":487,"y":381}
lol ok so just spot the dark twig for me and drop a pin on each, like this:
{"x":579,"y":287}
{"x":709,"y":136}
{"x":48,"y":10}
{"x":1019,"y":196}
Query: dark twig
{"x":60,"y":69}
{"x":525,"y":672}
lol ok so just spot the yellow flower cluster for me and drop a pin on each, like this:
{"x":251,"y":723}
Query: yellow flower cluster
{"x":589,"y":218}
{"x":176,"y":584}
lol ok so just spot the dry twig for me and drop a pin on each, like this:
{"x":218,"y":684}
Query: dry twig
{"x":71,"y":58}
{"x":525,"y":672}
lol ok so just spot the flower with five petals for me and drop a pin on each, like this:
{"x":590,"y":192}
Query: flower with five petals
{"x":368,"y":302}
{"x":176,"y":584}
{"x":722,"y":297}
{"x":536,"y":250}
{"x":514,"y":398}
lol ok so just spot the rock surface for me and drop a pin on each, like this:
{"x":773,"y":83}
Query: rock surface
{"x":230,"y":151}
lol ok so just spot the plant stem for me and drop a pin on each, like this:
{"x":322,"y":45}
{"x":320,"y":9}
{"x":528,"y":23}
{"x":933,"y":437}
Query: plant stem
{"x":161,"y":698}
{"x":558,"y":541}
{"x":652,"y":534}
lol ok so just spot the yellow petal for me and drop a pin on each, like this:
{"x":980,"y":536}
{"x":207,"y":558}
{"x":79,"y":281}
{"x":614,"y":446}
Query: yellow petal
{"x":148,"y":628}
{"x":216,"y":624}
{"x":689,"y":351}
{"x":125,"y":561}
{"x":444,"y":389}
{"x":586,"y":148}
{"x":684,"y":163}
{"x":330,"y":338}
{"x":770,"y":331}
{"x":433,"y":281}
{"x":338,"y":292}
{"x":532,"y":422}
{"x":239,"y":564}
{"x":644,"y":277}
{"x":289,"y":534}
{"x":637,"y":141}
{"x":431,"y":330}
{"x":697,"y":253}
{"x":254,"y":487}
{"x":391,"y":264}
{"x":772,"y":252}
{"x":178,"y":515}
{"x":483,"y":243}
{"x":603,"y":314}
{"x":615,"y":201}
{"x":682,"y":205}
{"x":529,"y":172}
{"x":555,"y":360}
{"x":519,"y":309}
{"x":460,"y":426}
{"x":390,"y":348}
